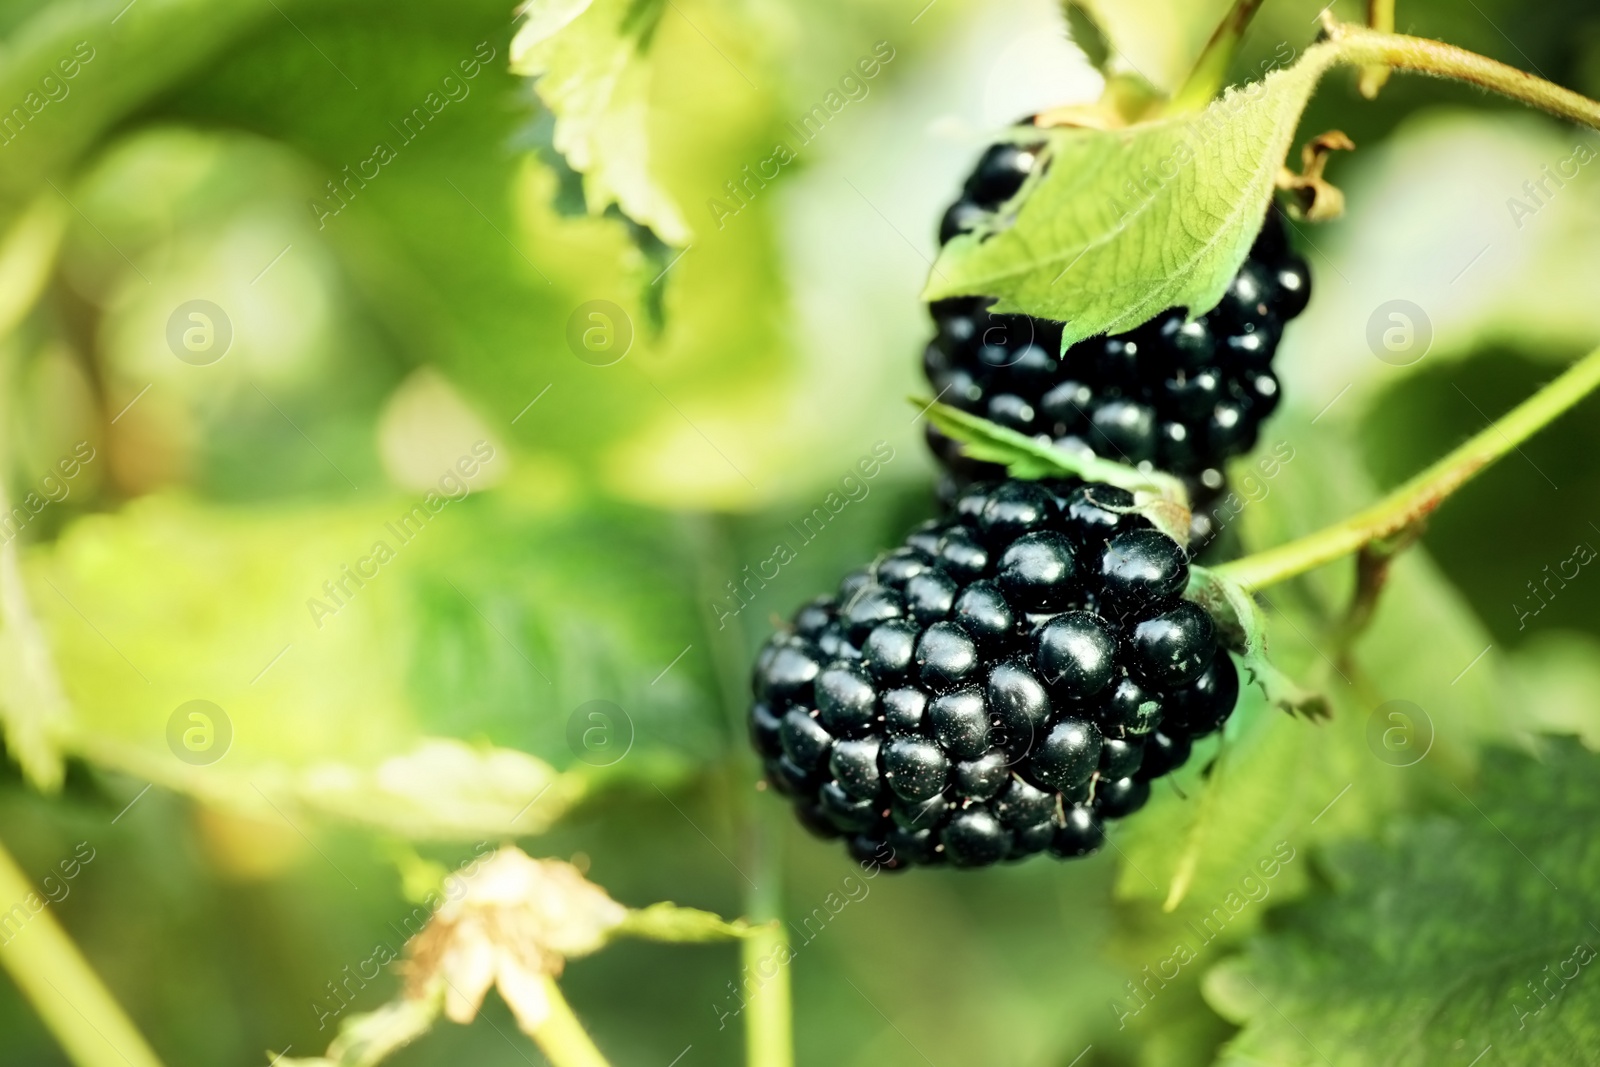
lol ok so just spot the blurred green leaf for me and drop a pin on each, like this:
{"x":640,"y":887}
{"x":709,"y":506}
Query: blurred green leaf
{"x":670,"y":922}
{"x":1397,"y":958}
{"x":592,"y":69}
{"x":512,"y":625}
{"x":1126,"y":223}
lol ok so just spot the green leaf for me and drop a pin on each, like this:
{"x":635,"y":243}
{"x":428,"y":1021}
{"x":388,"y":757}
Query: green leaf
{"x":1160,"y":497}
{"x":669,"y":922}
{"x":1086,"y":33}
{"x":119,"y":59}
{"x":1126,"y":223}
{"x":1461,"y":931}
{"x":590,"y":59}
{"x":436,"y":697}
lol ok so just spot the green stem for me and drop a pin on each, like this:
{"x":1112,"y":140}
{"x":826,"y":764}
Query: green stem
{"x":1211,"y":69}
{"x":769,"y":1026}
{"x":1380,"y":17}
{"x":561,"y":1037}
{"x":74,"y":1004}
{"x":1365,"y":47}
{"x":1417,"y":498}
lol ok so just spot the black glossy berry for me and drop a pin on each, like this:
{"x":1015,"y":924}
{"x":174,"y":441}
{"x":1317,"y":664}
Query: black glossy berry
{"x":805,"y":742}
{"x":1000,"y":172}
{"x":962,"y":555}
{"x":846,"y":812}
{"x":1018,"y":701}
{"x":889,"y":650}
{"x":1076,"y":654}
{"x":975,"y":838}
{"x":960,"y":723}
{"x":920,"y":846}
{"x":983,"y":777}
{"x":946,"y":655}
{"x":787,"y":675}
{"x":1118,"y":759}
{"x":1163,"y":754}
{"x":871,"y":606}
{"x":1143,"y":567}
{"x":984,"y":613}
{"x":1204,"y":704}
{"x":1066,"y":756}
{"x":1129,"y":710}
{"x":904,"y":710}
{"x":1079,"y":834}
{"x":1172,"y":649}
{"x":764,"y":731}
{"x":1115,"y":798}
{"x":812,"y":619}
{"x":900,"y":566}
{"x":931,"y":595}
{"x":915,"y":769}
{"x":854,"y":765}
{"x":962,"y":216}
{"x":1294,"y":287}
{"x":1037,"y":571}
{"x":846,"y":701}
{"x":1124,"y":430}
{"x":1023,"y":805}
{"x":1013,"y":509}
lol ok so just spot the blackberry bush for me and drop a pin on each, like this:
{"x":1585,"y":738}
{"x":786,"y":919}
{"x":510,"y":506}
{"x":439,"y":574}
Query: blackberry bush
{"x":1001,"y":684}
{"x":1181,"y":396}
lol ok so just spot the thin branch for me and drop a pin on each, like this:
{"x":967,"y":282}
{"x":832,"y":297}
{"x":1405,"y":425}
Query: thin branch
{"x":1417,"y":498}
{"x":561,"y":1037}
{"x":74,"y":1004}
{"x":1210,"y":71}
{"x":1380,"y":17}
{"x":1363,"y":47}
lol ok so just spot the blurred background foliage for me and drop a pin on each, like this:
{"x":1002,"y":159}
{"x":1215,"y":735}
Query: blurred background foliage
{"x":772,"y":346}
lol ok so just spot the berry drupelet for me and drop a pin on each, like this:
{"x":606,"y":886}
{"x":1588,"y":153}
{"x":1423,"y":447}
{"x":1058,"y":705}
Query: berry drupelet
{"x":1001,"y":684}
{"x":1179,"y":395}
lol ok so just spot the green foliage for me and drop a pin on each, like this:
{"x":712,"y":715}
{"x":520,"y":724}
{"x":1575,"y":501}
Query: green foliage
{"x":438,"y":700}
{"x":1396,"y":961}
{"x":479,"y":618}
{"x":1126,"y":223}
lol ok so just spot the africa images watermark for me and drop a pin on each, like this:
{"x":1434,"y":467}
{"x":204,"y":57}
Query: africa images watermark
{"x":754,"y":976}
{"x":742,"y":591}
{"x":454,"y":485}
{"x":851,"y":88}
{"x":51,"y":490}
{"x":20,"y":914}
{"x":1537,"y":192}
{"x":52,"y":89}
{"x":342,"y":989}
{"x":342,"y":191}
{"x":1251,"y":890}
{"x":1582,"y":555}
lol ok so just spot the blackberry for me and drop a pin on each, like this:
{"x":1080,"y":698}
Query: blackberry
{"x":1001,"y":685}
{"x":1181,"y":396}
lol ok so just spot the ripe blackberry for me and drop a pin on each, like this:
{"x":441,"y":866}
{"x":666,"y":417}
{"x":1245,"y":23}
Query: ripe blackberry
{"x":1000,"y":685}
{"x":1178,"y":395}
